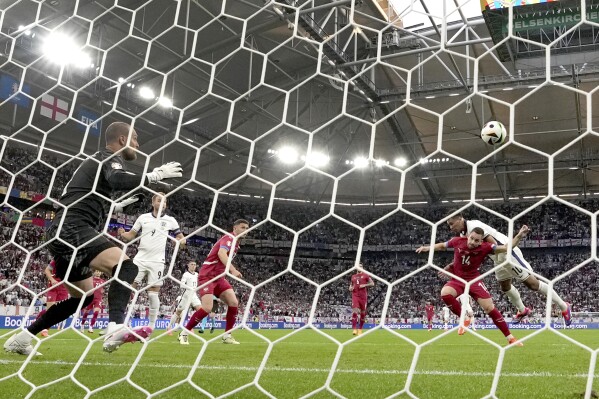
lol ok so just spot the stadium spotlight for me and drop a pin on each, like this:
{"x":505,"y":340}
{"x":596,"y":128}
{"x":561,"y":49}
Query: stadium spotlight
{"x":360,"y":162}
{"x":146,"y":92}
{"x":288,"y":155}
{"x":165,"y":102}
{"x":317,"y":159}
{"x":401,"y":162}
{"x":121,"y":80}
{"x":62,"y":50}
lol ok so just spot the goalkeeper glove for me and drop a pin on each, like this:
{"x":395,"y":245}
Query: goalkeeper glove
{"x":119,"y":206}
{"x":166,"y":171}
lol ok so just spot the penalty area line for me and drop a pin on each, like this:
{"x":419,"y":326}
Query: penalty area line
{"x":543,"y":374}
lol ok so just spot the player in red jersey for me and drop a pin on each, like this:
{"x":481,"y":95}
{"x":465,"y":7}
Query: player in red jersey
{"x":56,"y":294}
{"x":360,"y":282}
{"x":469,"y":254}
{"x":96,"y":304}
{"x":430,"y":313}
{"x":211,"y":284}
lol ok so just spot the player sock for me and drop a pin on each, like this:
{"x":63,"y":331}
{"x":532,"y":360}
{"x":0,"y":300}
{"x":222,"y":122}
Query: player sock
{"x":154,"y":306}
{"x":57,"y":313}
{"x":354,"y":320}
{"x":118,"y":293}
{"x":203,"y":324}
{"x":362,"y":319}
{"x":555,"y":298}
{"x":196,"y":318}
{"x":453,"y":304}
{"x":231,"y":318}
{"x":94,"y":318}
{"x":499,"y":321}
{"x":83,"y":318}
{"x":40,"y":314}
{"x":514,"y":296}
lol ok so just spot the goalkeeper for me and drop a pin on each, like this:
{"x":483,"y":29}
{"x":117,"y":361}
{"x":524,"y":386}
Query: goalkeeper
{"x":85,"y":204}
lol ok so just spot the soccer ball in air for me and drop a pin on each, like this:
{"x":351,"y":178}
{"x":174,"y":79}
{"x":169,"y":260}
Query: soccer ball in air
{"x":493,"y":133}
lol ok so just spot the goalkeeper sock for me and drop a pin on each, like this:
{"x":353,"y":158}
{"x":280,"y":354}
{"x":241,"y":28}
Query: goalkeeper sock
{"x":119,"y":293}
{"x":203,"y":324}
{"x":57,"y":313}
{"x":514,"y":296}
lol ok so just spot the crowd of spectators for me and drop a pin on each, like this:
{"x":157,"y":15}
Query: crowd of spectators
{"x":292,"y":293}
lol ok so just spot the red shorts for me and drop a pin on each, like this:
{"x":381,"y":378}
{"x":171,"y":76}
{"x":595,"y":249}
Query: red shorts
{"x":57,"y":294}
{"x":360,"y":303}
{"x":215,"y":288}
{"x":477,"y":291}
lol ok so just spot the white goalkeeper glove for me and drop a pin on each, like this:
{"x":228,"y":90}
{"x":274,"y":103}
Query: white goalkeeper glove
{"x":119,"y":206}
{"x":166,"y":171}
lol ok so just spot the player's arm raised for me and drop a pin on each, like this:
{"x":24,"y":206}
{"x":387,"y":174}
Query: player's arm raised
{"x":517,"y":238}
{"x":223,"y":255}
{"x":440,"y":246}
{"x":48,"y":273}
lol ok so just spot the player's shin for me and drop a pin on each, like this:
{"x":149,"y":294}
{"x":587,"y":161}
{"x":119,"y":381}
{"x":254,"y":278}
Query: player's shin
{"x":231,"y":318}
{"x":362,"y":319}
{"x":154,"y":306}
{"x":57,"y":313}
{"x":514,"y":296}
{"x":196,"y":318}
{"x":92,"y":323}
{"x":118,"y":294}
{"x":354,"y":320}
{"x":453,"y":304}
{"x":555,"y":298}
{"x":498,"y":320}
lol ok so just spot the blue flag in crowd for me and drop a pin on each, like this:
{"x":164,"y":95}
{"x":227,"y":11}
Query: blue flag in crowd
{"x":10,"y":86}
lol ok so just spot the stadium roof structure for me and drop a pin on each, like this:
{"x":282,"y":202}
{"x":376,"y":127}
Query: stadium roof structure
{"x":356,"y":74}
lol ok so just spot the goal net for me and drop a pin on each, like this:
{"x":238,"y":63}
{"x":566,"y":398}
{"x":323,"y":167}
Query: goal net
{"x":348,"y":134}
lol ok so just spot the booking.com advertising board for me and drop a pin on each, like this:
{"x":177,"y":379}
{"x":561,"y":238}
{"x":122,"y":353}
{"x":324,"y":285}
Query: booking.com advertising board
{"x":162,"y":324}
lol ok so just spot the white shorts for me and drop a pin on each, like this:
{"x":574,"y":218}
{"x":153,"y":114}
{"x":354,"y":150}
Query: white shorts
{"x":152,"y":270}
{"x":465,"y":302}
{"x":188,"y":299}
{"x":446,"y":317}
{"x":518,"y":270}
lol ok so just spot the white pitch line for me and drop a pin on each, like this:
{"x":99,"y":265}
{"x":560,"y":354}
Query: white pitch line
{"x":543,"y":374}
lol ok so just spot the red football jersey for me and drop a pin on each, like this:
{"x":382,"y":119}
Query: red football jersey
{"x":212,"y":266}
{"x":100,"y":291}
{"x":430,"y":311}
{"x":357,"y":280}
{"x":53,"y":271}
{"x":466,"y":262}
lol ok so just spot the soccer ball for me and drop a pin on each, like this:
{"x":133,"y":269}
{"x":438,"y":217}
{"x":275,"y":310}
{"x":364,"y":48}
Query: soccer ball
{"x":493,"y":133}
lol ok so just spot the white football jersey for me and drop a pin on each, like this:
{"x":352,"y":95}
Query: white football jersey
{"x":190,"y":280}
{"x":152,"y":245}
{"x":489,"y":231}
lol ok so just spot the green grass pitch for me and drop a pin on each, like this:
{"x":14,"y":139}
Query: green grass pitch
{"x":374,"y":366}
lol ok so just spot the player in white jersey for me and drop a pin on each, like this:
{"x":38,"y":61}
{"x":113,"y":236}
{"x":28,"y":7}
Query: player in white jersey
{"x":188,"y":297}
{"x":466,"y":302}
{"x":520,"y":270}
{"x":445,"y":317}
{"x":155,"y":227}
